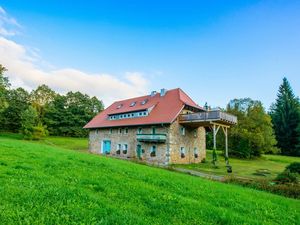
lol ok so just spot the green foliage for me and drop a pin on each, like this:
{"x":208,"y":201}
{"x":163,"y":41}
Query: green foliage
{"x":285,"y":113}
{"x":294,"y":167}
{"x":253,"y":135}
{"x":67,"y":115}
{"x":63,"y":115}
{"x":287,"y":177}
{"x":29,"y":120}
{"x":291,"y":190}
{"x":4,"y":86}
{"x":10,"y":119}
{"x":43,"y":184}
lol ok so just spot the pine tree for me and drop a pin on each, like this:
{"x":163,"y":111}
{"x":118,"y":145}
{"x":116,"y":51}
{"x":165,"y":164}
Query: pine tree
{"x":285,"y":113}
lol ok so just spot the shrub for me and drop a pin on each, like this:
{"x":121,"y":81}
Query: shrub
{"x":294,"y":167}
{"x":291,"y":190}
{"x":286,"y":177}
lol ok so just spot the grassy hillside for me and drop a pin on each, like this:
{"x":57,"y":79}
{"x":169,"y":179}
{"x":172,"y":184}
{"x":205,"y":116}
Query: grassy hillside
{"x":268,"y":166}
{"x":42,"y":184}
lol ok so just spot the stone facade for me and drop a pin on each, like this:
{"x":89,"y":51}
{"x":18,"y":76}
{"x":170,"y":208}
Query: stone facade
{"x":183,"y":145}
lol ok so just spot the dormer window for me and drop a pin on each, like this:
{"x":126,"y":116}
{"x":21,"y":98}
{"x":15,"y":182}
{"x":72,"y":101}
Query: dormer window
{"x":132,"y":104}
{"x":119,"y":106}
{"x":144,"y":102}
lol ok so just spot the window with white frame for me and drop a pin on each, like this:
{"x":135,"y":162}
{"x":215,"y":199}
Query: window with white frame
{"x":182,"y":130}
{"x":126,"y":130}
{"x":110,"y":131}
{"x":119,"y":146}
{"x":125,"y":148}
{"x":182,"y":152}
{"x":120,"y":130}
{"x":196,"y":153}
{"x":195,"y":133}
{"x":153,"y":151}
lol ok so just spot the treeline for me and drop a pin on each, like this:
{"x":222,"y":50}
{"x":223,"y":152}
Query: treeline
{"x":258,"y":131}
{"x":43,"y":111}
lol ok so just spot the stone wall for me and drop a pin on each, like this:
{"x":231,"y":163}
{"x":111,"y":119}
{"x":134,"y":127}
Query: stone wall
{"x":119,"y":136}
{"x":166,"y":153}
{"x":192,"y":138}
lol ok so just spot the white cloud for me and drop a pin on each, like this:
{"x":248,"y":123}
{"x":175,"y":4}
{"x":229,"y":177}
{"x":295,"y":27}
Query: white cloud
{"x":8,"y":25}
{"x":23,"y":70}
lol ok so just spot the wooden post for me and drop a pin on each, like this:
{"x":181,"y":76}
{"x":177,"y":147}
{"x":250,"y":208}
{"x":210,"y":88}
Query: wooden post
{"x":214,"y":133}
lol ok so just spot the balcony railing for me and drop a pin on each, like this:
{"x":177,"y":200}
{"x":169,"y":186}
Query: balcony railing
{"x":209,"y":116}
{"x":151,"y":137}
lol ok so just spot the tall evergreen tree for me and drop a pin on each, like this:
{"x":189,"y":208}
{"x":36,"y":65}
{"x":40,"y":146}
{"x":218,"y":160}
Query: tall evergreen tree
{"x":285,"y":113}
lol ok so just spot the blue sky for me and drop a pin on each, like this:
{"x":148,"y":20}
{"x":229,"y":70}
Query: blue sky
{"x":213,"y":50}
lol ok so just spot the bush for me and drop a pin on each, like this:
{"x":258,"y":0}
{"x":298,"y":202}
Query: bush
{"x":286,"y":177}
{"x":294,"y":167}
{"x":291,"y":190}
{"x":39,"y":132}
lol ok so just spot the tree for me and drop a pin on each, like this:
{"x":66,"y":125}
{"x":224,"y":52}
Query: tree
{"x":11,"y":117}
{"x":41,"y":98}
{"x":67,"y":115}
{"x":253,"y":135}
{"x":32,"y":129}
{"x":285,"y":113}
{"x":4,"y":86}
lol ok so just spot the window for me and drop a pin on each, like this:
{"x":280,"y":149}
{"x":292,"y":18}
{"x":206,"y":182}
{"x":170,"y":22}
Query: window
{"x":119,"y":106}
{"x":119,"y":149}
{"x":182,"y":130}
{"x":145,"y":113}
{"x":144,"y":102}
{"x":140,"y":130}
{"x":195,"y":153}
{"x":182,"y":152}
{"x":153,"y":130}
{"x":153,"y":151}
{"x":96,"y":131}
{"x":132,"y":104}
{"x":195,"y":133}
{"x":125,"y":148}
{"x":120,"y":130}
{"x":126,"y":130}
{"x":110,"y":131}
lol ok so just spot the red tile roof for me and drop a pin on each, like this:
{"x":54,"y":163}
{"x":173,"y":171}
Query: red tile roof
{"x":165,"y":110}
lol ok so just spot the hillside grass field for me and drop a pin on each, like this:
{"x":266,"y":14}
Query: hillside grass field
{"x":266,"y":167}
{"x":46,"y":184}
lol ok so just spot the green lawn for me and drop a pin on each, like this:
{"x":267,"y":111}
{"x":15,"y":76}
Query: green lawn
{"x":78,"y":144}
{"x":44,"y":184}
{"x":272,"y":165}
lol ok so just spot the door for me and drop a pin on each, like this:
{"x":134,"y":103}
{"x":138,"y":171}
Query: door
{"x":139,"y":151}
{"x":106,"y":147}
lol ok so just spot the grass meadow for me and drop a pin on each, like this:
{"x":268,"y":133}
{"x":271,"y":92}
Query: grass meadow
{"x":43,"y":183}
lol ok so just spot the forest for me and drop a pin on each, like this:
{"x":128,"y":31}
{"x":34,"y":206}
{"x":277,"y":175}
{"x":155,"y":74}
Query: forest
{"x":43,"y":112}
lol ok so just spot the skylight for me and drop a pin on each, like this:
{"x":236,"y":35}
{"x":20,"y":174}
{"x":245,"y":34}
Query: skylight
{"x":144,"y":102}
{"x":132,"y":104}
{"x":119,"y":106}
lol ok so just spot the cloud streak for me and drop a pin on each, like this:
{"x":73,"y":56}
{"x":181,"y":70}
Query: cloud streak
{"x":8,"y":25}
{"x":24,"y":69}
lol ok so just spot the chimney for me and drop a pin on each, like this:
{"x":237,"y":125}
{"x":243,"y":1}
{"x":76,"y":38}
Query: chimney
{"x":153,"y":93}
{"x":163,"y":92}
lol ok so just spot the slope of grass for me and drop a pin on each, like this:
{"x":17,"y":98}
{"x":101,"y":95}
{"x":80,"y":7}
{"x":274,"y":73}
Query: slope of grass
{"x":78,"y":144}
{"x":269,"y":165}
{"x":42,"y":184}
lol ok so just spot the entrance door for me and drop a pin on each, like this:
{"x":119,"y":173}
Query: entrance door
{"x":139,"y":151}
{"x":106,"y":147}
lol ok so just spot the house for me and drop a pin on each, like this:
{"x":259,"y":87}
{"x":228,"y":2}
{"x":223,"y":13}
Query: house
{"x":161,"y":128}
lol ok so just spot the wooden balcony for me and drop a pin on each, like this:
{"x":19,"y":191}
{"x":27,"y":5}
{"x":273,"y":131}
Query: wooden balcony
{"x":207,"y":118}
{"x":155,"y":138}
